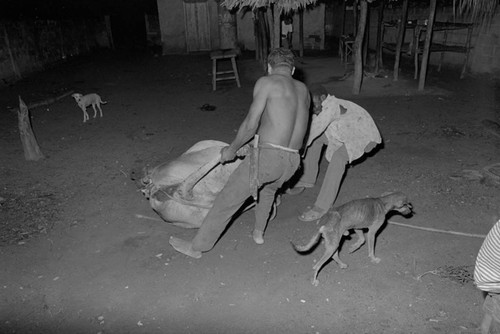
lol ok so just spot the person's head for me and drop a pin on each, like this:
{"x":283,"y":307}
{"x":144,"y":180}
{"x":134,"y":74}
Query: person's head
{"x":318,"y":94}
{"x":280,"y":58}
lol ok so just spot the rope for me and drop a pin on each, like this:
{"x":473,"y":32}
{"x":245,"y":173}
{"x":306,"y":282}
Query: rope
{"x":430,"y":229}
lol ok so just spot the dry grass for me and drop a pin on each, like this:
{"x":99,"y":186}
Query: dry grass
{"x":458,"y":274}
{"x":285,"y":6}
{"x":27,"y":215}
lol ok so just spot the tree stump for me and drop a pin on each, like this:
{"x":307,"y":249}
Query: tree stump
{"x":31,"y":149}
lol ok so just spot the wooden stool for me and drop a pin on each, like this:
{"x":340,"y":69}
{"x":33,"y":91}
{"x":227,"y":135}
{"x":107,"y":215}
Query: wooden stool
{"x":233,"y":74}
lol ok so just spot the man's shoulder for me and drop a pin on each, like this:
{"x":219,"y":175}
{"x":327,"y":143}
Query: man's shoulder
{"x":264,"y":78}
{"x":272,"y":80}
{"x":264,"y":83}
{"x":302,"y":86}
{"x":275,"y":79}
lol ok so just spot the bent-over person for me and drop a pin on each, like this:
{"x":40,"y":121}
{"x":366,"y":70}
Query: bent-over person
{"x":349,"y":132}
{"x":487,"y":279}
{"x":279,"y":114}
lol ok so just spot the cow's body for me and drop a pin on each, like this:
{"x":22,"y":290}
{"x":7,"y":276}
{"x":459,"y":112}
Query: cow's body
{"x":188,"y":213}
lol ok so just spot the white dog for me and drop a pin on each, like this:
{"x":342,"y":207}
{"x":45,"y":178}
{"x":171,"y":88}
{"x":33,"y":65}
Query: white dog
{"x":84,"y":101}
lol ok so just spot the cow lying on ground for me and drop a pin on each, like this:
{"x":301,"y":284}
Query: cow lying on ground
{"x":188,"y":211}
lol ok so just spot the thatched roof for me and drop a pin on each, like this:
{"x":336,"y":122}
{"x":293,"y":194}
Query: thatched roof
{"x":282,"y":5}
{"x":473,"y":10}
{"x":479,"y":10}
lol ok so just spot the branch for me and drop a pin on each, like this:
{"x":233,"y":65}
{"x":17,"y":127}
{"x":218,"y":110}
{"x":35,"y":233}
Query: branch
{"x":46,"y":102}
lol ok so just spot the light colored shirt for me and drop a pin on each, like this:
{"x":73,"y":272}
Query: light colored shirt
{"x":487,"y":270}
{"x":286,"y":27}
{"x":344,"y":123}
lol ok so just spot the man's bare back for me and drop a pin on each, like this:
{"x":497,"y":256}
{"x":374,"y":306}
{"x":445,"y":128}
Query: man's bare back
{"x":279,"y":112}
{"x":285,"y":117}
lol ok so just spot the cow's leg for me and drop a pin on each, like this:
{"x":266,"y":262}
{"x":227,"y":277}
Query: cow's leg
{"x":184,"y":189}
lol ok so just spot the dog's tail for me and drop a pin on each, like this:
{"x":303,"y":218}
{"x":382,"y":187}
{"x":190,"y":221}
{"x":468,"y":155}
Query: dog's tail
{"x":101,"y":101}
{"x":314,"y":240}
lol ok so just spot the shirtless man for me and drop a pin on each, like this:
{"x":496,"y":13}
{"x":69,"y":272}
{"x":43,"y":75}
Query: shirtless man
{"x":279,"y":114}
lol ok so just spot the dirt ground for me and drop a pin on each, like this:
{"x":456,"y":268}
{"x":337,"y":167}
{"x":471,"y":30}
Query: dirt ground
{"x":81,"y":250}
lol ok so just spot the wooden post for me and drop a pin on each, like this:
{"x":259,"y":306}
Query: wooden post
{"x":366,"y":39}
{"x":272,"y":27}
{"x":401,"y":37}
{"x":107,"y":21}
{"x":227,"y":27}
{"x":427,"y":45}
{"x":15,"y":69}
{"x":301,"y":32}
{"x":355,"y":15}
{"x":30,"y":145}
{"x":358,"y":48}
{"x":264,"y":33}
{"x":342,"y":31}
{"x":276,"y":26}
{"x":257,"y":35}
{"x":342,"y":24}
{"x":467,"y":50}
{"x":380,"y":27}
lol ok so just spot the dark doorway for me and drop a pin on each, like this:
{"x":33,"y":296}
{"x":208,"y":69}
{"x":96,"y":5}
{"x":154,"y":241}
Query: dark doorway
{"x":129,"y":29}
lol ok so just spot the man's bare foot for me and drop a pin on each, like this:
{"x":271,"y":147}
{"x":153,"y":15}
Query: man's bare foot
{"x":295,"y":191}
{"x":258,"y":237}
{"x":312,"y":214}
{"x":184,"y":247}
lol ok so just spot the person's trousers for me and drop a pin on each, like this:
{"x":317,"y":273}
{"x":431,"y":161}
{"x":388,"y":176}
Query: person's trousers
{"x":275,"y":167}
{"x":333,"y":176}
